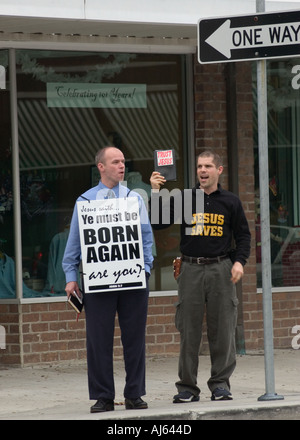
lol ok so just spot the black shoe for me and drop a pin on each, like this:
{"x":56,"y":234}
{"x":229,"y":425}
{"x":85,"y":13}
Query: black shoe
{"x":103,"y":405}
{"x":185,"y":397}
{"x":135,"y":404}
{"x":221,"y":394}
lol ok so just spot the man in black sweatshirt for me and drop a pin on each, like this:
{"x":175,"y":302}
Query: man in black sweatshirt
{"x":209,"y":272}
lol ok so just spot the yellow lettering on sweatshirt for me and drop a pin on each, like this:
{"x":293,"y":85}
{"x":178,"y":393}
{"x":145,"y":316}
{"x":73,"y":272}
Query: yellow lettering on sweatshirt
{"x":208,"y":218}
{"x":207,"y":224}
{"x":207,"y":230}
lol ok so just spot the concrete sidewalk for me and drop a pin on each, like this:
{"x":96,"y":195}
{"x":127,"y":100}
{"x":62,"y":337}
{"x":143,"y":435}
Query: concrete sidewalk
{"x":59,"y":392}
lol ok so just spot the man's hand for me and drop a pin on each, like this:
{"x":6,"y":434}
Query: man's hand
{"x":157,"y":180}
{"x":237,"y":272}
{"x":71,"y":287}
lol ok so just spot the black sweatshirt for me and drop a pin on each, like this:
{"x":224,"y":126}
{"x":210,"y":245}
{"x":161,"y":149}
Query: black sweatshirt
{"x":210,"y":232}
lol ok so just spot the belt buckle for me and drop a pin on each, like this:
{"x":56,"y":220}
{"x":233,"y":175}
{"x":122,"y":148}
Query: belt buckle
{"x":200,"y":260}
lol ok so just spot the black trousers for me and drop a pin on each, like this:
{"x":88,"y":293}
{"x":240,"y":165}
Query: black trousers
{"x":101,"y":310}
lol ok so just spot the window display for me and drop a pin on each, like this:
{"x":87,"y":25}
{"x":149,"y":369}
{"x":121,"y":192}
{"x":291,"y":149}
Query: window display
{"x":284,"y":172}
{"x":70,"y":104}
{"x":7,"y":273}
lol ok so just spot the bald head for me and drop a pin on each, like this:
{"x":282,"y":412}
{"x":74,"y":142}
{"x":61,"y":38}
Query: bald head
{"x":100,"y":156}
{"x":110,"y":162}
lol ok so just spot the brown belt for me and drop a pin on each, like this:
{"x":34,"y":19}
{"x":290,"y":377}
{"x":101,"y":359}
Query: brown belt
{"x":204,"y":260}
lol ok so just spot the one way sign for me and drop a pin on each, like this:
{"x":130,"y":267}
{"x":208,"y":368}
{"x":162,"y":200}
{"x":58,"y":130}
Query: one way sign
{"x":250,"y":37}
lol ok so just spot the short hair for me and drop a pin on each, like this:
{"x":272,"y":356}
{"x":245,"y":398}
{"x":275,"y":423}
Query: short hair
{"x":100,"y":155}
{"x":210,"y":153}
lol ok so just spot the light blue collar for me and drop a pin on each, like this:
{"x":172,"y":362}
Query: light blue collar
{"x":119,"y":190}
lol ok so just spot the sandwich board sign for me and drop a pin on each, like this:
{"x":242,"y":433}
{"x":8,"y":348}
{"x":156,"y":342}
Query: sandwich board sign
{"x":111,"y":245}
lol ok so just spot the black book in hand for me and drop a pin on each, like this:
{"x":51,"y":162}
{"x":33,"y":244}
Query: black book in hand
{"x":165,"y":163}
{"x":76,"y":302}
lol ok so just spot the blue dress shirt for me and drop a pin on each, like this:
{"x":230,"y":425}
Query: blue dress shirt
{"x":72,"y":255}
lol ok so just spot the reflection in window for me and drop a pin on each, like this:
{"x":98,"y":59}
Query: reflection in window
{"x":284,"y":172}
{"x":58,"y":140}
{"x":7,"y":264}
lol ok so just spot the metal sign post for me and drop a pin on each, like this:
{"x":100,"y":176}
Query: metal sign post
{"x":262,"y":118}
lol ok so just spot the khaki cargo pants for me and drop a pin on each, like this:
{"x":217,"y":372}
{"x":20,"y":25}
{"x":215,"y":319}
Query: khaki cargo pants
{"x":206,"y":288}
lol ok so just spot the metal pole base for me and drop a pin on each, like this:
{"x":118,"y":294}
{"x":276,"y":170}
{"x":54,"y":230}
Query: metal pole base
{"x":270,"y":396}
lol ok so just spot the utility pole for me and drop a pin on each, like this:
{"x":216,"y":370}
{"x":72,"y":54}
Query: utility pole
{"x":262,"y":109}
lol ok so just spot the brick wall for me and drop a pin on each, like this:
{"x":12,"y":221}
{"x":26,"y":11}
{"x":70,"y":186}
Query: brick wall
{"x":162,"y":337}
{"x":9,"y":320}
{"x":51,"y":332}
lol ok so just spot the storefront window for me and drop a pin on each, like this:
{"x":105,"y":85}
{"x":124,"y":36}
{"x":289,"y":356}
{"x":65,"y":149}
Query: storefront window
{"x":7,"y":265}
{"x":284,"y":173}
{"x":70,"y":104}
